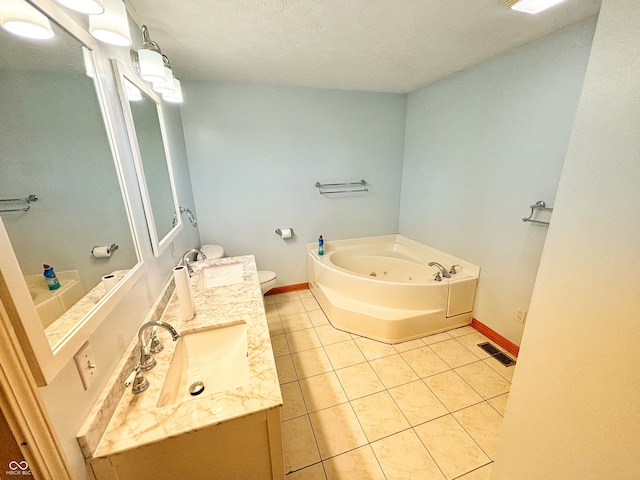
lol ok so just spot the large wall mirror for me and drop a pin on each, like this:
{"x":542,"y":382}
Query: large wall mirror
{"x":147,"y":135}
{"x":57,"y":145}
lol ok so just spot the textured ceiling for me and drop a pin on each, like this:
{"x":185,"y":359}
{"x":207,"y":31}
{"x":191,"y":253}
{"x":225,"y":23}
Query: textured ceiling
{"x":376,"y":45}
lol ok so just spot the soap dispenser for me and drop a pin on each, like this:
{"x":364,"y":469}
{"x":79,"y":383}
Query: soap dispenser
{"x":320,"y":245}
{"x":50,"y":275}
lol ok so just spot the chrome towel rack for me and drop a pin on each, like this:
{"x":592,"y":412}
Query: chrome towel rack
{"x":539,"y":205}
{"x":24,"y":208}
{"x":346,"y":187}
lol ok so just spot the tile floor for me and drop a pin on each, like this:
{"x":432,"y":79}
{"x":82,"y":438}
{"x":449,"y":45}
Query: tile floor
{"x":359,"y":409}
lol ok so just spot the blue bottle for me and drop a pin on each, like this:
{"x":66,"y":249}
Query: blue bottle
{"x":320,"y":246}
{"x":50,"y":275}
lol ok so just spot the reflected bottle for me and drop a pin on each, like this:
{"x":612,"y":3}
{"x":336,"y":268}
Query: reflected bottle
{"x":320,"y":245}
{"x":50,"y":275}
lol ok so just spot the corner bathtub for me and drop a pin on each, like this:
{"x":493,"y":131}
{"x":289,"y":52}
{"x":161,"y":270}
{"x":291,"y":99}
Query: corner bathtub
{"x":381,"y":287}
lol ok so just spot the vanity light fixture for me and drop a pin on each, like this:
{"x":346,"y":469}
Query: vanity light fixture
{"x":175,"y":97}
{"x":165,"y":87}
{"x":23,"y":19}
{"x":112,"y":26}
{"x":150,"y":61}
{"x":90,"y":7}
{"x":531,"y":6}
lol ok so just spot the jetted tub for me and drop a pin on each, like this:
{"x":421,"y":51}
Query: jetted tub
{"x":381,"y":287}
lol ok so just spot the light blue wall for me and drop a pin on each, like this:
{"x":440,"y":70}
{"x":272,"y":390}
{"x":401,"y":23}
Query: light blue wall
{"x":256,"y":151}
{"x":483,"y":145}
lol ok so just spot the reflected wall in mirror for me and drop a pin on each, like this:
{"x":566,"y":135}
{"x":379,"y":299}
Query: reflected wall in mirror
{"x":146,"y":128}
{"x":56,"y":145}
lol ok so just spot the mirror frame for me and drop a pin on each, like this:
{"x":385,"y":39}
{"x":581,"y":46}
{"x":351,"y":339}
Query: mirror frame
{"x":46,"y":362}
{"x":123,"y":74}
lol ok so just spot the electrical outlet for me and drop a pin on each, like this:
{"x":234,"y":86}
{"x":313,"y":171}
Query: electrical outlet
{"x":86,"y":365}
{"x":520,"y":314}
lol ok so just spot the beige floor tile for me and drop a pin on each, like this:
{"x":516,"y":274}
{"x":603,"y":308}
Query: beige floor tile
{"x":329,"y":335}
{"x":424,"y":362}
{"x":295,"y":321}
{"x":438,"y":337}
{"x":379,"y":416}
{"x":285,"y":368}
{"x":456,"y":332}
{"x":269,"y":300}
{"x":484,"y":380}
{"x":279,"y":345}
{"x":482,"y":473}
{"x":271,"y":309}
{"x":417,"y":402}
{"x":318,"y":318}
{"x":359,"y":380}
{"x":403,"y":456}
{"x":337,"y":430}
{"x":372,"y":349}
{"x":344,"y":354}
{"x":471,"y":342}
{"x":275,"y":325}
{"x":452,"y":448}
{"x":452,"y":390}
{"x":410,"y":345}
{"x":505,"y":372}
{"x":299,"y":444}
{"x":483,"y":423}
{"x":393,"y":371}
{"x":499,"y":403}
{"x":314,"y":472}
{"x":293,"y":403}
{"x":358,"y":464}
{"x":311,"y":362}
{"x":285,"y":297}
{"x":322,"y":391}
{"x":306,"y":293}
{"x":453,"y":353}
{"x":310,"y":304}
{"x":289,"y":308}
{"x":303,"y":340}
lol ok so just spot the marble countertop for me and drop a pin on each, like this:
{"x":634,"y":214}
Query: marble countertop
{"x":138,"y":421}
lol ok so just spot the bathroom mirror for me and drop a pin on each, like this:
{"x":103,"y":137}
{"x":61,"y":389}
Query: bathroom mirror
{"x":145,"y":125}
{"x":57,"y":145}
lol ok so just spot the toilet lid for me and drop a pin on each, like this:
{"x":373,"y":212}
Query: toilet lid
{"x":213,"y":251}
{"x":266,"y":276}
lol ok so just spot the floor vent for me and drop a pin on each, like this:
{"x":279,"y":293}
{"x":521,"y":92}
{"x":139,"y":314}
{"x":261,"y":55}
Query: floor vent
{"x":497,"y":354}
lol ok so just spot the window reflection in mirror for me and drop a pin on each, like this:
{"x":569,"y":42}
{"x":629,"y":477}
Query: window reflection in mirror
{"x":55,"y":145}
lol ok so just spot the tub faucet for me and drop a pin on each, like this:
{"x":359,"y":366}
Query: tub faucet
{"x":185,"y":258}
{"x":147,"y":362}
{"x":443,"y":270}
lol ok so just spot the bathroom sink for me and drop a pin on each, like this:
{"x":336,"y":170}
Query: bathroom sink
{"x":219,"y":275}
{"x":216,"y":357}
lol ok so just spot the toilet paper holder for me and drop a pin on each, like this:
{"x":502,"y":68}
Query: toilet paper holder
{"x":110,"y":250}
{"x":284,"y":233}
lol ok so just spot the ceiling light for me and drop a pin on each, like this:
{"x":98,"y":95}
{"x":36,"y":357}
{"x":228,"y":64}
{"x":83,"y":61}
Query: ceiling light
{"x":20,"y":18}
{"x":175,"y":97}
{"x":150,"y":61}
{"x":112,"y":26}
{"x":90,"y":7}
{"x":531,"y":6}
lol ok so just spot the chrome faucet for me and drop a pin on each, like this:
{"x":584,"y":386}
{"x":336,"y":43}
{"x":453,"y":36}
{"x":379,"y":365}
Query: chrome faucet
{"x":443,"y":270}
{"x":147,"y":362}
{"x":185,"y":258}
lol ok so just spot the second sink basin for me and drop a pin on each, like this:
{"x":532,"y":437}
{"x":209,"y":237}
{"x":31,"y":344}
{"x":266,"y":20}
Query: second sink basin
{"x":219,"y":275}
{"x":217,"y":357}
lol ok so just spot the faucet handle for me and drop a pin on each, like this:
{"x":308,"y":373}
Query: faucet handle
{"x":437,"y":277}
{"x":452,"y":271}
{"x":140,"y":384}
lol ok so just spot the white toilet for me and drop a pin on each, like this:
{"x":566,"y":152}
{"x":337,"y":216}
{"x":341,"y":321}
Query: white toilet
{"x":267,"y":277}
